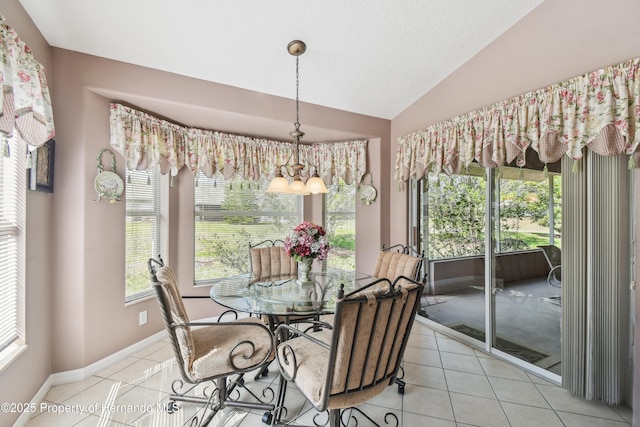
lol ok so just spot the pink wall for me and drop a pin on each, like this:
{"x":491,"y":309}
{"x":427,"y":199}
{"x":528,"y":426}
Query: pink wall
{"x":89,"y":241}
{"x":636,"y":313}
{"x":20,"y":381}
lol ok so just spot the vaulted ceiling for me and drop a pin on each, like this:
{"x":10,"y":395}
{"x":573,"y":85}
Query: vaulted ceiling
{"x":370,"y":57}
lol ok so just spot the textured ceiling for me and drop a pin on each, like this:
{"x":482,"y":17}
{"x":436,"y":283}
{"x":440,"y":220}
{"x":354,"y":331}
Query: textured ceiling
{"x":374,"y":57}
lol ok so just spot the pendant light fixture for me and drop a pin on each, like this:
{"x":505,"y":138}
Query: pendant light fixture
{"x":280,"y":184}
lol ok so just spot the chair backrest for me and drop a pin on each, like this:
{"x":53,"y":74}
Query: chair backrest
{"x":553,"y":255}
{"x":269,"y":259}
{"x":370,"y":332}
{"x":399,"y":260}
{"x":175,"y":317}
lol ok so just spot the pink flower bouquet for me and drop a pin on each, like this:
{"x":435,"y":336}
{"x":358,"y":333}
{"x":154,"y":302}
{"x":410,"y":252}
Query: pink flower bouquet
{"x":307,"y":241}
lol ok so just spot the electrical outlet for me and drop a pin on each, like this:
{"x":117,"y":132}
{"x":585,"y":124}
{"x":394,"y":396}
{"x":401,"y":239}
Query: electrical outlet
{"x":143,"y":317}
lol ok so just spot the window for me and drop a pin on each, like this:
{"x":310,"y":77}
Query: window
{"x":340,"y":221}
{"x":12,"y":243}
{"x":146,"y":228}
{"x":481,"y":231}
{"x":453,"y":214}
{"x":230,"y":214}
{"x":527,"y":216}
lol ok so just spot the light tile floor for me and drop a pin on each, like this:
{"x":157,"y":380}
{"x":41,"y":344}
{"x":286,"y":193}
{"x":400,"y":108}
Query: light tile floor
{"x":449,"y":384}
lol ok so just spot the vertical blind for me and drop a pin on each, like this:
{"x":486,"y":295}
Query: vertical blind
{"x":595,"y":281}
{"x":12,"y":242}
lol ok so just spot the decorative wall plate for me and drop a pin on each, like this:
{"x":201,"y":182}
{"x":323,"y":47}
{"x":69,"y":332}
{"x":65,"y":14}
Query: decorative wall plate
{"x":108,"y":184}
{"x":366,"y":191}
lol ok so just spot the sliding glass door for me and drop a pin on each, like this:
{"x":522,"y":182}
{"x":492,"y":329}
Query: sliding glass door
{"x":452,"y":230}
{"x":527,"y":306}
{"x":483,"y":233}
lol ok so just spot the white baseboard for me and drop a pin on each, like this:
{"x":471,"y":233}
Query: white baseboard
{"x":75,"y":375}
{"x":84,"y":373}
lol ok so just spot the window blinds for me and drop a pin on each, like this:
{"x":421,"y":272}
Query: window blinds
{"x":231,"y":214}
{"x":145,"y":229}
{"x":12,"y":242}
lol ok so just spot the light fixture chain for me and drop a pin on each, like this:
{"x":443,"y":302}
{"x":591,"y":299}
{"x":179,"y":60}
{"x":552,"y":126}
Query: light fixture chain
{"x":297,"y":123}
{"x":314,"y":184}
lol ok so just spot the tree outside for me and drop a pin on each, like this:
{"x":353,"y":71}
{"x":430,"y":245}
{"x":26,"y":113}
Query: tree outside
{"x":340,"y":218}
{"x":455,"y":214}
{"x":230,"y":215}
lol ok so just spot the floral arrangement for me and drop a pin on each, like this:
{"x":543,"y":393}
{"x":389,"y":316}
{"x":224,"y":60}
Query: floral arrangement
{"x":307,"y":241}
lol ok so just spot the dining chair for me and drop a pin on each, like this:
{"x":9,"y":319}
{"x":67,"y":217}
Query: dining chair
{"x":395,"y":261}
{"x":399,"y":260}
{"x":359,"y":357}
{"x":210,"y":351}
{"x":269,"y":259}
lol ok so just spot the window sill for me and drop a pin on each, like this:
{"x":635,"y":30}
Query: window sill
{"x":139,"y":300}
{"x":9,"y":354}
{"x":204,"y":284}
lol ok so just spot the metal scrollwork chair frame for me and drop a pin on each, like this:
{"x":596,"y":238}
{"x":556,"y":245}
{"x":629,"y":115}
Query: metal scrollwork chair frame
{"x":216,"y":352}
{"x":398,"y":260}
{"x":361,"y":354}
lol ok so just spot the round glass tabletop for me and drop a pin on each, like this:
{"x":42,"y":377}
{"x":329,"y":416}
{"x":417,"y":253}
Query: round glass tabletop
{"x":284,"y":296}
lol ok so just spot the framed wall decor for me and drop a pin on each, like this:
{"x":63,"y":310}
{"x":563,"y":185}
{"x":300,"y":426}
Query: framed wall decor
{"x":41,"y":176}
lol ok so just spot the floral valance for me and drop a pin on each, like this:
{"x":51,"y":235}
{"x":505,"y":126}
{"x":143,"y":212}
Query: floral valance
{"x":25,"y":104}
{"x":599,"y":110}
{"x":145,"y":141}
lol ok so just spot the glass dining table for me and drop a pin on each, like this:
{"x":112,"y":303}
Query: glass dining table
{"x":284,"y":300}
{"x":284,"y":296}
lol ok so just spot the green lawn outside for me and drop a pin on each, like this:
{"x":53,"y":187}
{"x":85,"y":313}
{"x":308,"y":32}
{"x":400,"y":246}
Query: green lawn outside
{"x":217,"y":257}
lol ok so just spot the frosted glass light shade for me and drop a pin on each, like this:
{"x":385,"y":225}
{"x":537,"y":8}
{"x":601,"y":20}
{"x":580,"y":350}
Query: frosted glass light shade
{"x":279,"y":184}
{"x":297,"y":187}
{"x":315,"y":185}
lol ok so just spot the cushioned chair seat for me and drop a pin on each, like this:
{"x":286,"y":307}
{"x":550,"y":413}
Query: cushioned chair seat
{"x":213,"y":344}
{"x":312,"y":364}
{"x":210,"y":351}
{"x":360,"y":356}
